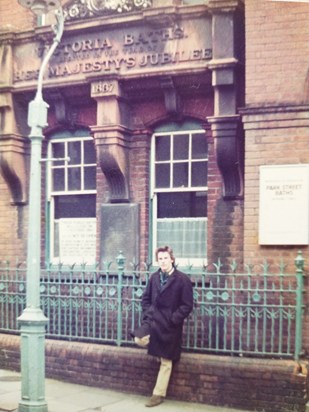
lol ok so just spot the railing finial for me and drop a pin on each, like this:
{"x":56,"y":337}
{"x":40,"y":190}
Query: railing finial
{"x":299,"y":261}
{"x":120,"y":259}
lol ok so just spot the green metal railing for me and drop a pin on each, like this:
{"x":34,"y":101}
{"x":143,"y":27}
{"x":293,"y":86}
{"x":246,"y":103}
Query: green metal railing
{"x":258,"y":314}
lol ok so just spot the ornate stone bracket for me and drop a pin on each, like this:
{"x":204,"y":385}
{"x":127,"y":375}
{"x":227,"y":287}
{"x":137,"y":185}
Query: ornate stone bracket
{"x":110,"y":135}
{"x":63,"y":111}
{"x":225,"y":123}
{"x":229,"y":144}
{"x":112,"y":158}
{"x":13,"y":151}
{"x":111,"y":167}
{"x":172,"y":99}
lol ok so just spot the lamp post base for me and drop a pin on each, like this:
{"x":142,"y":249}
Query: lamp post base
{"x":32,"y":407}
{"x":32,"y":326}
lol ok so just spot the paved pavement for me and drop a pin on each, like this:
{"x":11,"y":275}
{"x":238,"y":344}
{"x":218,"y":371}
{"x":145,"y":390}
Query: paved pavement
{"x":67,"y":397}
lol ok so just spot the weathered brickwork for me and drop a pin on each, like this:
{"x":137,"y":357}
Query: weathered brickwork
{"x":250,"y":384}
{"x":148,"y":115}
{"x":13,"y":223}
{"x":14,"y":17}
{"x":277,"y":48}
{"x":276,"y":127}
{"x":140,"y":185}
{"x":276,"y":117}
{"x":273,"y":137}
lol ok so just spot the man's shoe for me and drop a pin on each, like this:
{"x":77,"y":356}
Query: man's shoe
{"x":154,"y":401}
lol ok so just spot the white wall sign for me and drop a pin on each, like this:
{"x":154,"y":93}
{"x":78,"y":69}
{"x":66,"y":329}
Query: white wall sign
{"x":284,"y":205}
{"x":77,"y":240}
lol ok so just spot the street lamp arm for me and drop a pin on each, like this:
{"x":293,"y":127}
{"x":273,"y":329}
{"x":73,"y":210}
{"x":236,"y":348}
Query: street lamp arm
{"x":58,"y":30}
{"x":59,"y":26}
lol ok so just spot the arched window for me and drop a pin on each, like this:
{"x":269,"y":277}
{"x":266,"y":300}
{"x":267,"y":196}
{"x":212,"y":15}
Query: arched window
{"x":72,"y":198}
{"x":179,"y":190}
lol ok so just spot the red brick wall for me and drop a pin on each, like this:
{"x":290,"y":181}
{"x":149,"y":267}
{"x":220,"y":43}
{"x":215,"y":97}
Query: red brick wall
{"x":251,"y":384}
{"x":277,"y":49}
{"x":13,"y":224}
{"x":225,"y":218}
{"x":273,"y":136}
{"x":18,"y":18}
{"x":140,"y":186}
{"x":276,"y":119}
{"x":13,"y":16}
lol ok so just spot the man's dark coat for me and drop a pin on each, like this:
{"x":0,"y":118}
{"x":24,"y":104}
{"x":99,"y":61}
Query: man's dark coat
{"x":164,"y":311}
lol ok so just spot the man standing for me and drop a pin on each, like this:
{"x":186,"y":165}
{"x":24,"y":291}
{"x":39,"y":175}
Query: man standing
{"x":166,"y":302}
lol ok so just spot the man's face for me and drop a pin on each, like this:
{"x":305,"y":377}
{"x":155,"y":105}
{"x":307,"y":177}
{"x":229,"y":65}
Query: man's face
{"x":165,"y":261}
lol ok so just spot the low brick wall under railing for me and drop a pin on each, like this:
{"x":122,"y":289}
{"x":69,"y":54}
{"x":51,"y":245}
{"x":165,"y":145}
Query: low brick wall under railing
{"x":247,"y":383}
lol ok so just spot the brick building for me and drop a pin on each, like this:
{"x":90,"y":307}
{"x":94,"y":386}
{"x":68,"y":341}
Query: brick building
{"x":145,"y":102}
{"x":275,"y":117}
{"x":167,"y":111}
{"x":186,"y":123}
{"x":138,"y":99}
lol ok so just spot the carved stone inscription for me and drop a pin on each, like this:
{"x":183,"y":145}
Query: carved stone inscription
{"x":123,"y":51}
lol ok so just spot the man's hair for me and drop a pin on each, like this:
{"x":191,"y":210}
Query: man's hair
{"x":167,"y":249}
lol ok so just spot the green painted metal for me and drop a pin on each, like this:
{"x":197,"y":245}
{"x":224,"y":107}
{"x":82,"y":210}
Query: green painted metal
{"x":299,"y":262}
{"x":32,"y":321}
{"x":257,"y":313}
{"x":120,"y":263}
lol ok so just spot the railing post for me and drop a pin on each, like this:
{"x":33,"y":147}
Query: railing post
{"x":120,"y":262}
{"x":299,"y":263}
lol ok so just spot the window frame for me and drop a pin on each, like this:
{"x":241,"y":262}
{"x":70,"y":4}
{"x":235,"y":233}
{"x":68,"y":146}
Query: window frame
{"x":66,"y":138}
{"x":154,"y":191}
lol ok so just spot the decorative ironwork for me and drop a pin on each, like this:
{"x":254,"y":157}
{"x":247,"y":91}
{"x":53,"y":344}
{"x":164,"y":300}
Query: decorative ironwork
{"x":79,"y":9}
{"x":250,"y":313}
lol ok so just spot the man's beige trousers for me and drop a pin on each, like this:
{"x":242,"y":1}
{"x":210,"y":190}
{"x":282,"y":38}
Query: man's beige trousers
{"x":165,"y":370}
{"x":163,"y":377}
